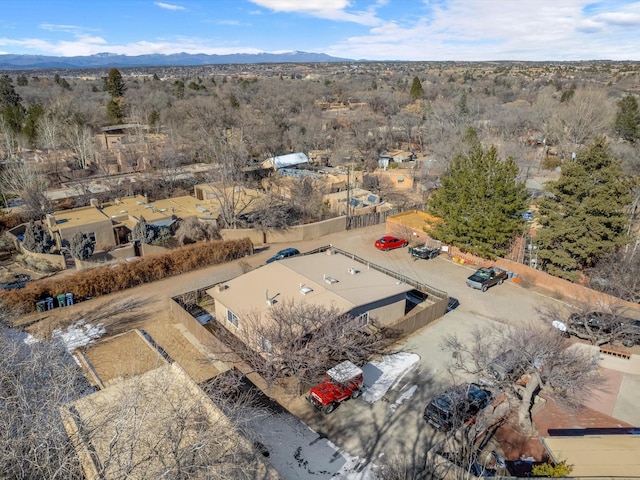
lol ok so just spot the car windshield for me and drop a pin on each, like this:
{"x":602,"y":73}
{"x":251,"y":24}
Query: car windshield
{"x":483,"y":273}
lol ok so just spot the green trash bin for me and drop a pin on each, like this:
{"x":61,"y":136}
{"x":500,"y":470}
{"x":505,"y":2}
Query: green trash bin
{"x":62,"y":300}
{"x":40,"y":306}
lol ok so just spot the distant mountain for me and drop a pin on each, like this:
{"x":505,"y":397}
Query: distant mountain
{"x":101,"y":60}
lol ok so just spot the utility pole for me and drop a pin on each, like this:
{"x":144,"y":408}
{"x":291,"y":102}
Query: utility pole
{"x":348,"y":190}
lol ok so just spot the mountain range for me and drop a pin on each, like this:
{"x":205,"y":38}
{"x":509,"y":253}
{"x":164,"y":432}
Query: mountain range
{"x":102,"y":60}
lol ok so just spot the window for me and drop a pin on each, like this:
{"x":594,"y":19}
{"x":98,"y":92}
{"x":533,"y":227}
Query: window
{"x":232,"y":318}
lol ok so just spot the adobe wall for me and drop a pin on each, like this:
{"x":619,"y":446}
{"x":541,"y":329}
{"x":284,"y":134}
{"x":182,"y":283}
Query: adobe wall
{"x":204,"y":336}
{"x":557,"y":287}
{"x":55,"y":259}
{"x":298,"y":233}
{"x":256,"y":236}
{"x":101,"y":258}
{"x":420,"y":317}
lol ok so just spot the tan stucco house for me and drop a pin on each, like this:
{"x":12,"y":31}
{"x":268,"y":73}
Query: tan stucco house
{"x":327,"y":278}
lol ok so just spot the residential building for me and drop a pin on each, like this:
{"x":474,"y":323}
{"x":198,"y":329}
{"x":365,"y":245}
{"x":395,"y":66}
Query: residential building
{"x":325,"y":279}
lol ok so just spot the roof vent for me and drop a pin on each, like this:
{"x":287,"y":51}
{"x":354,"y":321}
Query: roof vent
{"x":304,"y":289}
{"x":330,"y":280}
{"x":353,"y":271}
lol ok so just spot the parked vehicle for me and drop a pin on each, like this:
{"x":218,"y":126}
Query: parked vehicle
{"x":286,"y":253}
{"x":452,"y":304}
{"x":617,"y":327}
{"x":483,"y":278}
{"x":341,"y":382}
{"x":389,"y":243}
{"x":14,"y":282}
{"x":456,"y":406}
{"x":424,"y":251}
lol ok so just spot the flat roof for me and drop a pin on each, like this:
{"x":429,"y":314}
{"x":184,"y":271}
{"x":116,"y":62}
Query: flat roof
{"x":77,"y":217}
{"x":329,"y":280}
{"x":597,"y":456}
{"x":153,"y":401}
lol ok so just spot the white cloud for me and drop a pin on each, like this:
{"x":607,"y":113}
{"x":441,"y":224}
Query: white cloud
{"x":169,"y":6}
{"x":500,"y":30}
{"x":326,"y":9}
{"x":60,"y":28}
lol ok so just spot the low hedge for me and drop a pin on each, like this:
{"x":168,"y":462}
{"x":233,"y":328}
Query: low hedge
{"x":113,"y":278}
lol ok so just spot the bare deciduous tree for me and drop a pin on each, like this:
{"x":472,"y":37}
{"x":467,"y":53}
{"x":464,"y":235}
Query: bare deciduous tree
{"x":36,"y":380}
{"x":193,"y":230}
{"x":303,"y":340}
{"x":539,"y":353}
{"x":29,"y":183}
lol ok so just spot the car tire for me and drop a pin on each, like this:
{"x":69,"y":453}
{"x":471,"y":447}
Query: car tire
{"x":627,"y":342}
{"x":500,"y":281}
{"x":356,"y":393}
{"x":330,"y":408}
{"x":386,"y":249}
{"x":484,"y":288}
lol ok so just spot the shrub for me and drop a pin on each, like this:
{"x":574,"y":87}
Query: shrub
{"x":108,"y":279}
{"x":557,"y":470}
{"x":81,"y":246}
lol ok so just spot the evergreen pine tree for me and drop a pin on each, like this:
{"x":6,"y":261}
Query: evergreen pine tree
{"x":585,"y":217}
{"x":480,"y":202}
{"x":81,"y":246}
{"x":627,"y":123}
{"x":416,"y":90}
{"x":115,"y":84}
{"x":143,"y":231}
{"x":36,"y":239}
{"x":11,"y":108}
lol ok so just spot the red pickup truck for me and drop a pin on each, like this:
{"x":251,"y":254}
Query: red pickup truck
{"x":341,"y":382}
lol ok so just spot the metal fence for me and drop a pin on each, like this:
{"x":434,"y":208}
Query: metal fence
{"x":423,"y":287}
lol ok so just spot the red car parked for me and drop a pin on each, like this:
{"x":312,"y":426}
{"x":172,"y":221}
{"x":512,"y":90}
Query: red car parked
{"x":389,"y":243}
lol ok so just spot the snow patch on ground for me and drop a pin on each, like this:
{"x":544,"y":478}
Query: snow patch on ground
{"x":384,"y":374}
{"x":298,"y":452}
{"x":405,"y":396}
{"x":78,"y":335}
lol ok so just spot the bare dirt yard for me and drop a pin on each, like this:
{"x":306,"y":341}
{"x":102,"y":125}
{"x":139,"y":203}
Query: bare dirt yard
{"x":120,"y":352}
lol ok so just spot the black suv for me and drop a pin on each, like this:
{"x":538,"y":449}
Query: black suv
{"x":456,"y":406}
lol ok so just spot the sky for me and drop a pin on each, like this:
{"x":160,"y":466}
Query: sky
{"x":410,"y":30}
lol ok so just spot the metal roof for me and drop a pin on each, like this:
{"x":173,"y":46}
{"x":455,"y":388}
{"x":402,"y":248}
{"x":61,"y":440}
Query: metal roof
{"x":288,"y":160}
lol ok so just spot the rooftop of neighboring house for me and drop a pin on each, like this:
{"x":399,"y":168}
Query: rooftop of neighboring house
{"x":610,"y":453}
{"x":415,"y":219}
{"x":128,"y":210}
{"x":321,"y":279}
{"x":287,"y":160}
{"x":366,"y":196}
{"x":76,"y":217}
{"x":94,"y":421}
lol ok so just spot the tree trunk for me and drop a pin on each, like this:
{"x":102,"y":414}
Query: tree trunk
{"x":525,"y":422}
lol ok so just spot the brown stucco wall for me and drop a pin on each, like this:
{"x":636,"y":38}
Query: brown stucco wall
{"x":54,"y":259}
